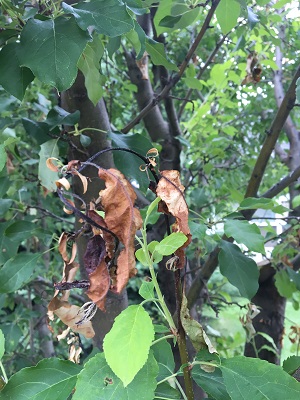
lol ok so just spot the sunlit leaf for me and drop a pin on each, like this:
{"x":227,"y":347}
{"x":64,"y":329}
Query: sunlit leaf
{"x":227,"y":14}
{"x":126,"y":346}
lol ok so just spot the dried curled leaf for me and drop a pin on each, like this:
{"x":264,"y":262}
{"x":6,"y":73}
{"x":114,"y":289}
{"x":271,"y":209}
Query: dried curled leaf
{"x":68,"y":314}
{"x":194,"y":330}
{"x":59,"y":306}
{"x":62,"y":248}
{"x":123,"y":219}
{"x":63,"y":183}
{"x":170,"y":190}
{"x":253,"y":70}
{"x":51,"y":165}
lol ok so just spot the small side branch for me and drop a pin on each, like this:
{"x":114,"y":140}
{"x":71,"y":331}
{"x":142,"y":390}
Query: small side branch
{"x":162,"y":95}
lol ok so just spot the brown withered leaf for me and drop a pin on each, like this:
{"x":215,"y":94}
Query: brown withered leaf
{"x":94,"y":254}
{"x":62,"y":248}
{"x":95,"y":265}
{"x":170,"y":190}
{"x":108,"y":238}
{"x":122,"y":219}
{"x":99,"y":285}
{"x":194,"y":330}
{"x":68,"y":314}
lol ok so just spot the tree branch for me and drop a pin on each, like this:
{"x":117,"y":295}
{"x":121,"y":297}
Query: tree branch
{"x":272,"y":136}
{"x":178,"y":76}
{"x":201,"y":72}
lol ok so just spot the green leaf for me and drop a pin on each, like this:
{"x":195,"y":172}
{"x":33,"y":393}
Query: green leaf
{"x":294,"y":276}
{"x":46,"y":176}
{"x":97,"y":381}
{"x":147,"y":290}
{"x":291,"y":364}
{"x":211,"y":382}
{"x":38,"y":130}
{"x":171,"y":243}
{"x":17,"y":271}
{"x":8,"y":248}
{"x":50,"y":379}
{"x":20,"y":230}
{"x":89,"y":64}
{"x":246,"y":233}
{"x":251,"y":378}
{"x":140,"y":255}
{"x":285,"y":286}
{"x":129,"y":163}
{"x":241,"y":271}
{"x":58,"y":116}
{"x":157,"y":257}
{"x":227,"y":14}
{"x":113,"y":45}
{"x":13,"y":77}
{"x":180,"y":21}
{"x":252,"y":18}
{"x":296,"y":201}
{"x":6,"y":34}
{"x":165,"y":391}
{"x":137,"y":37}
{"x":2,"y":344}
{"x":3,"y":157}
{"x":164,"y":356}
{"x":51,"y":49}
{"x":157,"y":53}
{"x":280,"y":3}
{"x":298,"y":91}
{"x":136,"y":6}
{"x":85,"y":140}
{"x":109,"y":17}
{"x":218,"y":75}
{"x":5,"y":205}
{"x":193,"y":83}
{"x":152,"y":207}
{"x":198,"y":230}
{"x":126,"y":346}
{"x":251,"y":203}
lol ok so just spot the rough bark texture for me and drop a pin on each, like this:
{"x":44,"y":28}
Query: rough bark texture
{"x":270,"y":320}
{"x":92,"y":117}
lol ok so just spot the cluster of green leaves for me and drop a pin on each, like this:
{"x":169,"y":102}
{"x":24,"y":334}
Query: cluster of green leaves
{"x":151,"y":374}
{"x":51,"y":44}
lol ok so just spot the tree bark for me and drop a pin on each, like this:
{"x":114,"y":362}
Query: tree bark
{"x":91,"y":117}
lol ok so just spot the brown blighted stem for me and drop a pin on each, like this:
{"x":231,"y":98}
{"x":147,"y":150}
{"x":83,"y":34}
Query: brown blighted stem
{"x":181,"y":340}
{"x":177,"y":77}
{"x":272,"y":136}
